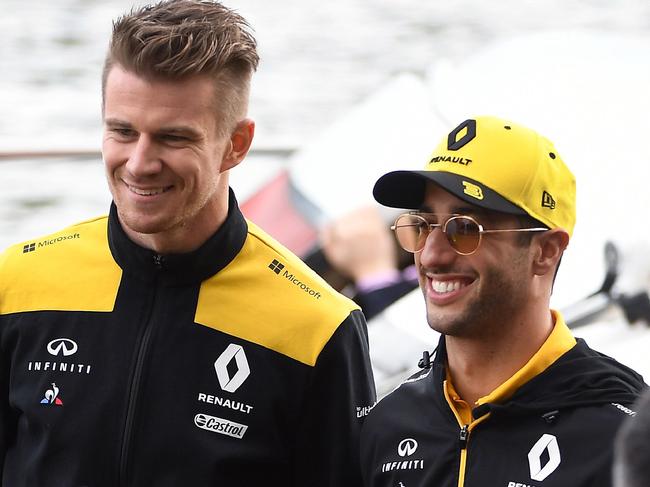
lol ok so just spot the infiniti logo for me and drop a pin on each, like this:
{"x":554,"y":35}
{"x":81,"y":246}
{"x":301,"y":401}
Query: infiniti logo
{"x":407,"y":447}
{"x":62,"y":346}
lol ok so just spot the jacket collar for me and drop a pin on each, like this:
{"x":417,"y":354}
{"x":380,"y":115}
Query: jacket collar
{"x":179,"y":269}
{"x":564,"y":373}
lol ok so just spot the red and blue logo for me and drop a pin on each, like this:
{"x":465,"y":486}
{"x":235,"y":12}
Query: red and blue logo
{"x":52,"y":396}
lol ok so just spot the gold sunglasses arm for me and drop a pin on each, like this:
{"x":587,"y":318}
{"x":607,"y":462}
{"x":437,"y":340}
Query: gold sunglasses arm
{"x":501,"y":230}
{"x":431,"y":226}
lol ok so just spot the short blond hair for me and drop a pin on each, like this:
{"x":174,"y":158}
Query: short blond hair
{"x":176,"y":39}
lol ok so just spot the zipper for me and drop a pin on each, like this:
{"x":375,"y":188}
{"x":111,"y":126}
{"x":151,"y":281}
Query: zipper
{"x":464,"y":435}
{"x":463,"y":439}
{"x":135,"y":386}
{"x":159,"y":261}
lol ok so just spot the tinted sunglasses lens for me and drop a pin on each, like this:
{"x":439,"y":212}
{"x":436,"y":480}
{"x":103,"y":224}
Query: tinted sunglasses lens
{"x":411,"y":232}
{"x":463,"y":234}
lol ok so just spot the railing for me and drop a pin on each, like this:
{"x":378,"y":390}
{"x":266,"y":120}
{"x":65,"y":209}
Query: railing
{"x":95,"y":153}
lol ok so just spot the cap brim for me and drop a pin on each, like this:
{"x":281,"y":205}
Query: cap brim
{"x":405,"y":189}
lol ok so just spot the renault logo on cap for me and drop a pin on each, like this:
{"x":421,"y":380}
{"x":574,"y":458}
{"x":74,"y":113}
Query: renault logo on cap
{"x":62,"y":346}
{"x":236,"y":353}
{"x":469,"y":128}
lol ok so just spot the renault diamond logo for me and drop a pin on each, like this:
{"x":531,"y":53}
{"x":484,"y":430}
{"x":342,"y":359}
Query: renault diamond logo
{"x":468,"y":128}
{"x":407,"y":447}
{"x":228,"y":383}
{"x":62,"y":346}
{"x":547,"y":446}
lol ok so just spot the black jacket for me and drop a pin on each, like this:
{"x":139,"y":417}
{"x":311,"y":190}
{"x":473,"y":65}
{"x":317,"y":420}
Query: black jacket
{"x":557,"y":429}
{"x":231,"y":365}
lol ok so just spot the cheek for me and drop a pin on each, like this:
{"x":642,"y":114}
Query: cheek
{"x":199,"y":177}
{"x":114,"y":155}
{"x":510,"y":266}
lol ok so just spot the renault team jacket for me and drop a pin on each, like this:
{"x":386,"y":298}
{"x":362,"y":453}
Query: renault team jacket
{"x":234,"y":365}
{"x":557,"y":430}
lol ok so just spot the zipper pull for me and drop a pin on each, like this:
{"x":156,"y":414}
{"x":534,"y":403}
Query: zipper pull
{"x":158,"y":261}
{"x":464,"y":434}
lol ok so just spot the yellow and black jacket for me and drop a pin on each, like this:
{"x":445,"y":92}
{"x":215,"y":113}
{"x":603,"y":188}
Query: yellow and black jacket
{"x":231,"y":365}
{"x":551,"y":424}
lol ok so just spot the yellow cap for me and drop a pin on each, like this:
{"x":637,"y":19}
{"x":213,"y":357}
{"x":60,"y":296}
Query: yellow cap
{"x":494,"y":164}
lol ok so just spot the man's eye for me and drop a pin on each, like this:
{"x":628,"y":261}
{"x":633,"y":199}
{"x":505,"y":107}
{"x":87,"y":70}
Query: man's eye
{"x":422,"y":226}
{"x":124,"y":132}
{"x":431,"y":219}
{"x":173,"y":138}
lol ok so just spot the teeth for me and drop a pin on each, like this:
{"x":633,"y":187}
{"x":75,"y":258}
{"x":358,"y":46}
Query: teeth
{"x":444,"y":287}
{"x":147,"y":192}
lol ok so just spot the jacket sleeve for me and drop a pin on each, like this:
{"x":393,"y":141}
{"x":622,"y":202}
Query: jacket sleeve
{"x":340,"y":394}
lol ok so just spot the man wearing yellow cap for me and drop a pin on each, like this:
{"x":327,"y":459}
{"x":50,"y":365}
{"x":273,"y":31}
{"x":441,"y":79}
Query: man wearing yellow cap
{"x":511,"y":398}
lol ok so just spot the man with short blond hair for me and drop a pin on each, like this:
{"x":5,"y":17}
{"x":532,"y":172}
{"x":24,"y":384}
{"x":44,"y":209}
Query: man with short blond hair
{"x":174,"y":342}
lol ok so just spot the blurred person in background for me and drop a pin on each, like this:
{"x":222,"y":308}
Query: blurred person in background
{"x":511,"y":398}
{"x":632,"y":447}
{"x":173,"y":342}
{"x":360,"y":247}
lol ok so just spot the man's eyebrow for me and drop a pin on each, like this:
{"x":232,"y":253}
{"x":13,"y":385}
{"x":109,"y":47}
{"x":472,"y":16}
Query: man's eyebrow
{"x":469,"y":210}
{"x":170,"y":130}
{"x":457,"y":210}
{"x":116,"y":122}
{"x":180,"y":130}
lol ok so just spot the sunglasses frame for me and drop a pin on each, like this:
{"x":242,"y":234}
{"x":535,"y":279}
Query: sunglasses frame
{"x":443,"y":228}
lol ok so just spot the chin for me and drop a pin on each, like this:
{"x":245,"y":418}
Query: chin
{"x":144,"y":224}
{"x":452,"y":323}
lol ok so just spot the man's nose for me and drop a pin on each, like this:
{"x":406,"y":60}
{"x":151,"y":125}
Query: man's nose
{"x":144,"y":159}
{"x":437,"y":250}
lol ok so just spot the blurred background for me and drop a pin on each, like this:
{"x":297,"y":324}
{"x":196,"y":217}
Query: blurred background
{"x":346,"y":90}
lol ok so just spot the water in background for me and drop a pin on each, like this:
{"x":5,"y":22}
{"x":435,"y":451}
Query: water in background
{"x":318,"y":59}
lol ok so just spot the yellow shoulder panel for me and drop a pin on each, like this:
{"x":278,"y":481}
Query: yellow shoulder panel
{"x":268,"y":296}
{"x":71,"y":270}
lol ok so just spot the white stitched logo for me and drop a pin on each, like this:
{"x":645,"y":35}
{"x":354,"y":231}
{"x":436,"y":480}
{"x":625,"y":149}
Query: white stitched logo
{"x":407,"y":447}
{"x":220,"y":425}
{"x":63,"y":346}
{"x":547,"y":443}
{"x":227,"y":383}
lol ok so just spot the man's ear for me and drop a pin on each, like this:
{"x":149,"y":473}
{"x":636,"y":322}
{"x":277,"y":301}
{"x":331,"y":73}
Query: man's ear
{"x":548,"y":251}
{"x":239,"y":144}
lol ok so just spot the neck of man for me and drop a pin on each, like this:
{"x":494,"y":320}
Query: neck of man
{"x":478,"y":365}
{"x":188,"y":235}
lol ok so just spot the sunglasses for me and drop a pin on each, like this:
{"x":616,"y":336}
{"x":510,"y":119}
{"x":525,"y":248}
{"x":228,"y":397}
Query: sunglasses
{"x":463,"y":232}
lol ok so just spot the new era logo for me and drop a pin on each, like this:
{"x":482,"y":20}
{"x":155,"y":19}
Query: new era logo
{"x":29,"y":248}
{"x":548,"y":201}
{"x":276,"y":267}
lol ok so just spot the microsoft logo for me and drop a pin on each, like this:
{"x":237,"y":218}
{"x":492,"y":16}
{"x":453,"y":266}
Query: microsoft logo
{"x":43,"y":243}
{"x":275,"y":266}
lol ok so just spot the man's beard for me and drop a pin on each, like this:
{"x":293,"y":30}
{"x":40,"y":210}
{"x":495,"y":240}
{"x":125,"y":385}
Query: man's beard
{"x":501,"y":296}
